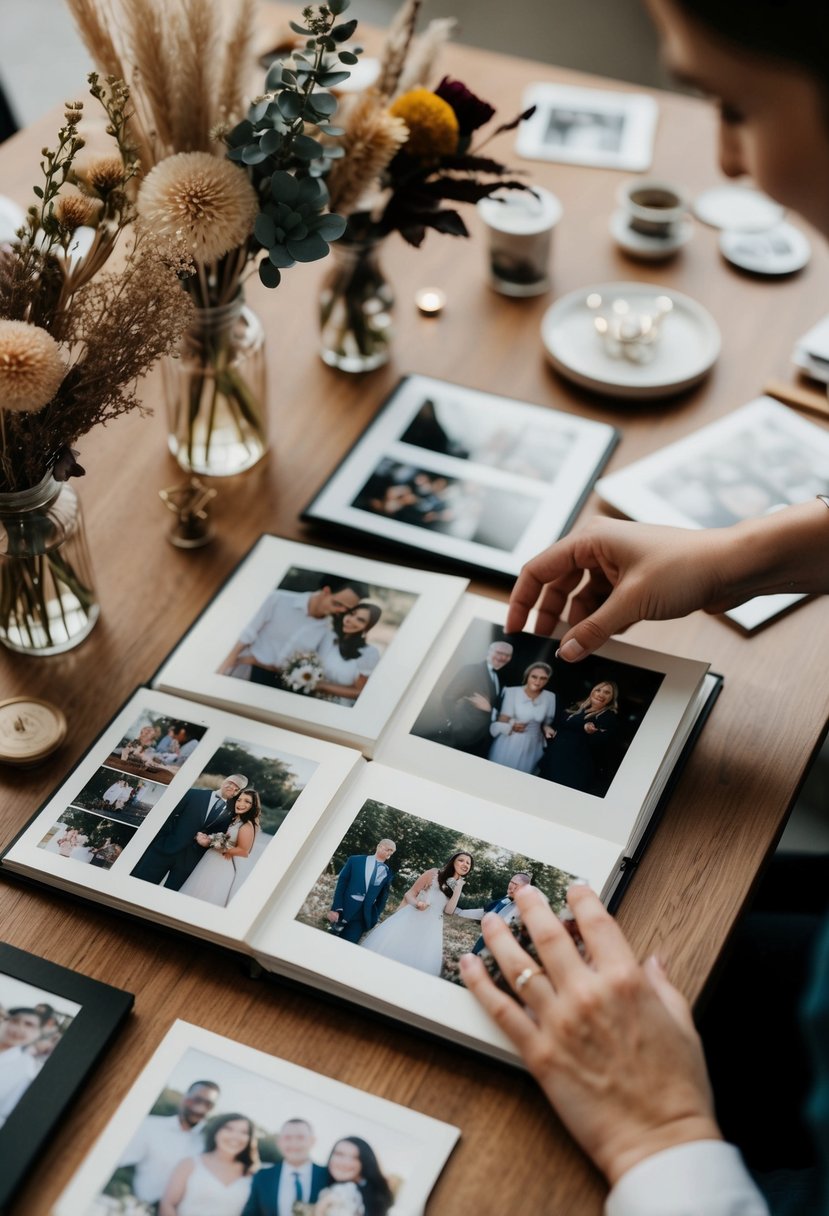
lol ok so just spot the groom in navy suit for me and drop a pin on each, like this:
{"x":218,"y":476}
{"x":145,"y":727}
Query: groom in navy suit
{"x":361,"y":892}
{"x":296,"y":1179}
{"x":179,"y":846}
{"x":505,"y":907}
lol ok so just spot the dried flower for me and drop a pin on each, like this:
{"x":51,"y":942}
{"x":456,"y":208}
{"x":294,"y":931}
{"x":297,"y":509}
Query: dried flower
{"x":66,"y":465}
{"x":31,"y":367}
{"x":372,"y":137}
{"x":470,"y":111}
{"x":74,"y":210}
{"x":433,"y":127}
{"x":207,"y":203}
{"x":103,"y":175}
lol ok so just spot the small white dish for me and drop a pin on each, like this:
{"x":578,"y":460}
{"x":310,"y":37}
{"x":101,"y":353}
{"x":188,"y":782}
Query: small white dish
{"x":738,"y":207}
{"x":688,"y":347}
{"x":782,"y":249}
{"x":647,"y":248}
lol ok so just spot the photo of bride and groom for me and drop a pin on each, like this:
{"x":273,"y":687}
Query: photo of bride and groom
{"x":319,"y":635}
{"x":414,"y":891}
{"x":218,"y":830}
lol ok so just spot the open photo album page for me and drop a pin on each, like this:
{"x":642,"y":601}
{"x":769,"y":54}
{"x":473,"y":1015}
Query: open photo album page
{"x":200,"y":836}
{"x":212,"y":1124}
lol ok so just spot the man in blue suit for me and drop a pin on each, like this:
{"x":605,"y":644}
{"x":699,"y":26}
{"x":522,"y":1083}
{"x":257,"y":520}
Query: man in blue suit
{"x":505,"y":907}
{"x":180,"y":845}
{"x":361,"y":892}
{"x":296,"y":1179}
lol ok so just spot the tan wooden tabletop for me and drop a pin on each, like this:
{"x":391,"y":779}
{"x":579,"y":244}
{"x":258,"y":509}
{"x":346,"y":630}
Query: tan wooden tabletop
{"x":730,"y":804}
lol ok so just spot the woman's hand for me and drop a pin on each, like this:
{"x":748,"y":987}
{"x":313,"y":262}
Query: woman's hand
{"x":421,"y":905}
{"x":611,"y":1043}
{"x":549,"y":733}
{"x":590,"y":728}
{"x":518,"y":728}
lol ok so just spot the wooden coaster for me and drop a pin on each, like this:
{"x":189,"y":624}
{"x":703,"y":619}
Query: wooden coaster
{"x":30,"y":730}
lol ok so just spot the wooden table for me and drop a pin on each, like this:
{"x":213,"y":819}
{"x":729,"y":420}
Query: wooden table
{"x":731,"y":802}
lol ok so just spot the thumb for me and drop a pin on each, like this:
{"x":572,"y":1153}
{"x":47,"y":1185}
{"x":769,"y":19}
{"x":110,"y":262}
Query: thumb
{"x":671,"y":997}
{"x":589,"y":634}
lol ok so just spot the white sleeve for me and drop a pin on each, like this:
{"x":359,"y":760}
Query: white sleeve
{"x":701,"y":1178}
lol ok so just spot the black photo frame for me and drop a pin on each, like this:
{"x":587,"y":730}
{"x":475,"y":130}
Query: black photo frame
{"x":102,"y":1010}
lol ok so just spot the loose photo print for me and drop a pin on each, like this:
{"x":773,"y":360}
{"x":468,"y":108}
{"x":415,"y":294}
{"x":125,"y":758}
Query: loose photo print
{"x":588,"y":127}
{"x":216,"y":833}
{"x":155,"y":746}
{"x":32,"y":1024}
{"x":468,"y":475}
{"x":215,"y":1126}
{"x":318,"y":635}
{"x":415,"y":891}
{"x":93,"y":840}
{"x":508,"y":700}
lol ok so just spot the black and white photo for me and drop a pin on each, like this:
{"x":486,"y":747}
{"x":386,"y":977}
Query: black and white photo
{"x":599,"y":127}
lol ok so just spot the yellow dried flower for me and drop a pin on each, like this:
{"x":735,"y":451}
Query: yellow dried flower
{"x":75,"y":210}
{"x":31,"y":367}
{"x":433,"y":127}
{"x":204,"y":201}
{"x":103,"y":174}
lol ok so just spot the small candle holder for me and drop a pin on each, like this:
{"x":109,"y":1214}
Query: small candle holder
{"x":430,"y":301}
{"x":629,"y":331}
{"x":188,"y":501}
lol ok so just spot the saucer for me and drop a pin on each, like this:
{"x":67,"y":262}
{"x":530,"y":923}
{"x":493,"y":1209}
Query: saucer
{"x":688,"y":346}
{"x":647,"y":248}
{"x":782,"y":249}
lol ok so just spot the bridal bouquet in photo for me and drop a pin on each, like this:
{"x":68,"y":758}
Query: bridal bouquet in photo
{"x":75,"y":336}
{"x":302,"y":672}
{"x":241,"y":185}
{"x":218,"y":841}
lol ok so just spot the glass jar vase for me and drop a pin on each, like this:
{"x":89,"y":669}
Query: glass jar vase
{"x":47,"y":596}
{"x":215,"y":392}
{"x":356,"y":305}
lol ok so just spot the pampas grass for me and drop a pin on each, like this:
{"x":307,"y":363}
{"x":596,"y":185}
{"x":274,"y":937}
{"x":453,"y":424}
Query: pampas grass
{"x":372,"y":137}
{"x":396,"y":50}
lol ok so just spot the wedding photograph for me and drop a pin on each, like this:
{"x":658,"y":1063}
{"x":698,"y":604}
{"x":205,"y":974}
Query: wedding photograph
{"x":32,"y":1023}
{"x":318,"y":635}
{"x":95,"y":840}
{"x":507,"y":700}
{"x":404,"y":888}
{"x":600,"y":127}
{"x":237,"y":1142}
{"x":216,"y":833}
{"x":125,"y":799}
{"x":155,"y":746}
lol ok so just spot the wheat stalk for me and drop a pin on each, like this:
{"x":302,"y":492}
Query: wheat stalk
{"x":238,"y":62}
{"x":396,"y":50}
{"x":195,"y":82}
{"x":421,"y":63}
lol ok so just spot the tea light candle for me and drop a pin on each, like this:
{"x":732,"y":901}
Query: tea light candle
{"x":431,"y":301}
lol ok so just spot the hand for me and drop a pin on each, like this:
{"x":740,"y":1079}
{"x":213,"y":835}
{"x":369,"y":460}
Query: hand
{"x":421,"y":905}
{"x":480,"y":702}
{"x":203,"y":839}
{"x":333,"y":917}
{"x":634,"y":572}
{"x":611,"y":1043}
{"x":518,"y":728}
{"x":549,"y":733}
{"x":590,"y":728}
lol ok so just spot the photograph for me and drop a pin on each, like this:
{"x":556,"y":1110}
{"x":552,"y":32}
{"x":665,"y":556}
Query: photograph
{"x":599,"y":127}
{"x":216,"y":833}
{"x":155,"y":746}
{"x":233,"y":1132}
{"x":32,"y":1024}
{"x":411,"y":890}
{"x":318,"y":635}
{"x":95,"y":840}
{"x":508,"y":700}
{"x":123,"y":798}
{"x":461,"y":508}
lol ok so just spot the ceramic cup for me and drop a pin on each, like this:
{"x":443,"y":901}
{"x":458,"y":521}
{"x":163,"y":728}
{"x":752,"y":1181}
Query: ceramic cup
{"x":520,"y":228}
{"x":653,"y":208}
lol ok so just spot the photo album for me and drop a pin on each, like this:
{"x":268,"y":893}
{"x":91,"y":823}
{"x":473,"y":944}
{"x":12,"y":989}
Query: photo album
{"x":344,"y":764}
{"x":753,"y":461}
{"x":303,"y":1142}
{"x":481,"y":481}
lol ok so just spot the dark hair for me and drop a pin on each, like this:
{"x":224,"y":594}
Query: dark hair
{"x":251,"y":816}
{"x":352,"y":644}
{"x":44,"y":1013}
{"x":335,"y":583}
{"x":448,"y":871}
{"x":375,"y":1191}
{"x":791,"y":31}
{"x":202,"y":1085}
{"x":248,"y":1155}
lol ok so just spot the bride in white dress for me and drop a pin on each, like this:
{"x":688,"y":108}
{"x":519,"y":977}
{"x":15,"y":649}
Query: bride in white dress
{"x":221,"y":872}
{"x":414,"y":933}
{"x":218,"y":1181}
{"x":346,"y":655}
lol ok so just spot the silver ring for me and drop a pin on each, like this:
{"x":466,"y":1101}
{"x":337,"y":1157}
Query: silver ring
{"x":529,"y":973}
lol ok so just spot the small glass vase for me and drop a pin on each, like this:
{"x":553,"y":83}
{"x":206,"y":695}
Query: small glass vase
{"x":47,"y":596}
{"x":356,"y":305}
{"x":215,"y":392}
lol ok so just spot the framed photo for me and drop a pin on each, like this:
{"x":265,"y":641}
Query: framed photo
{"x":752,"y":462}
{"x":203,"y":1097}
{"x":54,"y":1026}
{"x":477,"y":479}
{"x":598,"y":127}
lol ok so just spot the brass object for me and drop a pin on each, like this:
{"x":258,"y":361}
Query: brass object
{"x":188,"y":501}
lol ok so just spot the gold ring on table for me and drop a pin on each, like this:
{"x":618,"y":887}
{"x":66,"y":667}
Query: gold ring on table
{"x":529,"y":973}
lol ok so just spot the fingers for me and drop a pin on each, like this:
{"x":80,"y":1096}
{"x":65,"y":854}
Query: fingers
{"x":537,"y":994}
{"x":504,"y":1011}
{"x":556,"y":948}
{"x":546,"y":568}
{"x":604,"y":941}
{"x":612,"y":616}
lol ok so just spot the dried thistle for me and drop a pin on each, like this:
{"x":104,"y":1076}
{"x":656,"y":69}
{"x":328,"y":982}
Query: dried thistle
{"x":31,"y":366}
{"x":372,"y":137}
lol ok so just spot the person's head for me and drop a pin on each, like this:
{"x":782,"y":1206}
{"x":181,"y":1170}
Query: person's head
{"x":232,"y":785}
{"x":232,"y":1135}
{"x":765,"y":62}
{"x":459,"y":865}
{"x":336,"y":596}
{"x":517,"y":882}
{"x":295,"y":1141}
{"x":24,"y":1024}
{"x":198,"y":1102}
{"x":536,"y":677}
{"x":247,"y":806}
{"x":603,"y":696}
{"x":147,"y":735}
{"x":385,"y":849}
{"x":352,"y":1159}
{"x":352,"y":627}
{"x":499,"y":654}
{"x":181,"y":734}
